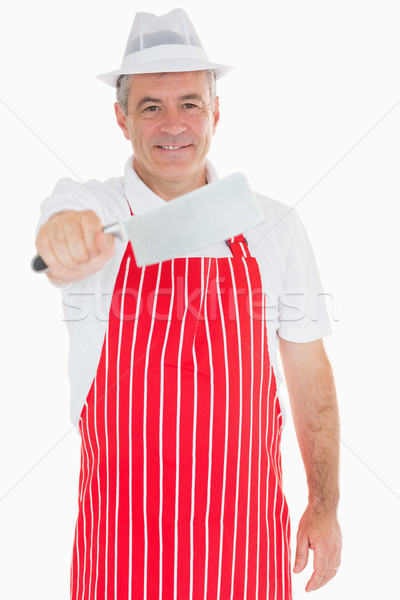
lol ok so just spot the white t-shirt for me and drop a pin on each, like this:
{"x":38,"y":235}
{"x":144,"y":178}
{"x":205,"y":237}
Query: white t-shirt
{"x":295,"y":306}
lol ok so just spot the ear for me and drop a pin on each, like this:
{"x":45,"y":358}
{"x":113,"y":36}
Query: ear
{"x":216,"y":114}
{"x":121,"y":120}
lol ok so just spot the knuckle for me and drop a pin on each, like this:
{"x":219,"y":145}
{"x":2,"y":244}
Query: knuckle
{"x":74,"y":236}
{"x":78,"y":253}
{"x":88,"y":213}
{"x":57,"y":238}
{"x":89,"y":218}
{"x":67,"y":216}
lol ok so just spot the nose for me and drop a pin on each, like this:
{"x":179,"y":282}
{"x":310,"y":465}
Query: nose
{"x":172,"y":122}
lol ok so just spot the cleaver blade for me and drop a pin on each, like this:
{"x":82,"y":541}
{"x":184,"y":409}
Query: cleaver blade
{"x":209,"y":214}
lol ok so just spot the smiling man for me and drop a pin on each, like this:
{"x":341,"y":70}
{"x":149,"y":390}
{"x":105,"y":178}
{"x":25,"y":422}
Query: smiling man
{"x":174,"y":375}
{"x":170,"y":120}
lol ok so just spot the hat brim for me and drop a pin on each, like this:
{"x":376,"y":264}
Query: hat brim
{"x":165,"y":66}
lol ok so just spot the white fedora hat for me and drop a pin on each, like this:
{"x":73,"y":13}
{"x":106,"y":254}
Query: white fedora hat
{"x":164,"y":44}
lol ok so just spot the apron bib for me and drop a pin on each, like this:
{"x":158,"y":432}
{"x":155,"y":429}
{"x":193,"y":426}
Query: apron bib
{"x":180,"y":488}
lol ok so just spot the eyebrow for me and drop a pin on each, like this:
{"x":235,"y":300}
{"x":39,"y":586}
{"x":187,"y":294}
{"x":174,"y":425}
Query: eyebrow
{"x":150,"y":100}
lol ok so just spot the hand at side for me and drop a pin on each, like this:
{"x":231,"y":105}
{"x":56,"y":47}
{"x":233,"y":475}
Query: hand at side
{"x":321,"y":533}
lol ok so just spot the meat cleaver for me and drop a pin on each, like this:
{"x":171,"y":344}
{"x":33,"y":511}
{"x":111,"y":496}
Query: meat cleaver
{"x":209,"y":214}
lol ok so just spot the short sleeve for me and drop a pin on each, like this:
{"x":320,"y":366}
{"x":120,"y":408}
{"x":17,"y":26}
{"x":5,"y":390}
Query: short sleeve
{"x":302,"y":309}
{"x":68,"y":195}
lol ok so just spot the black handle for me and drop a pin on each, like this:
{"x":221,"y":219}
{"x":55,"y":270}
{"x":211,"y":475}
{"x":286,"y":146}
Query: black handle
{"x":38,"y":265}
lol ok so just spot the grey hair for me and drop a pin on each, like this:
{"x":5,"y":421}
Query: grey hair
{"x":124,"y":86}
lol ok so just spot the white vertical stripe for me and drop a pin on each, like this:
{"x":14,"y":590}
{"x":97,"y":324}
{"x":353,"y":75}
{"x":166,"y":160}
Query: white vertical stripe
{"x":177,"y":433}
{"x":275,"y":495}
{"x":283,"y":543}
{"x":138,"y":301}
{"x":98,"y":487}
{"x":283,"y":531}
{"x":82,"y":458}
{"x":160,"y":432}
{"x":107,"y":459}
{"x":288,"y":550}
{"x":279,"y":484}
{"x":210,"y":436}
{"x":121,"y":324}
{"x":146,"y":533}
{"x":90,"y":479}
{"x":221,"y":534}
{"x":283,"y":551}
{"x":269,"y":458}
{"x":77,"y":546}
{"x":194,"y":444}
{"x":192,"y":505}
{"x":242,"y":246}
{"x":71,"y":572}
{"x":84,"y":515}
{"x":259,"y":450}
{"x":237,"y":320}
{"x":252,"y":354}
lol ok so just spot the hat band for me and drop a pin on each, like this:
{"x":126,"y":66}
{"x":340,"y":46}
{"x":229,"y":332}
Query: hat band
{"x":163,"y":52}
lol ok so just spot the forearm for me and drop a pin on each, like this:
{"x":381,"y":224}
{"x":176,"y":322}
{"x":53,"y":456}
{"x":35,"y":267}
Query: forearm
{"x":316,"y":419}
{"x":315,"y":413}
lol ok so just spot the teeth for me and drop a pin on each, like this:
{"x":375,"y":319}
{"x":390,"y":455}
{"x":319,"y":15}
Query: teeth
{"x":172,"y":147}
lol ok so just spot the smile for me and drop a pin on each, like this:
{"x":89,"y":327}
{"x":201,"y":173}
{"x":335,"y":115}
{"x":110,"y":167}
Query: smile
{"x":172,"y":147}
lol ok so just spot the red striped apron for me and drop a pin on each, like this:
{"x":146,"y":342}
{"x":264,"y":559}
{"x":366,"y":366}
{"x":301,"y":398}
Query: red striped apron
{"x":180,"y":489}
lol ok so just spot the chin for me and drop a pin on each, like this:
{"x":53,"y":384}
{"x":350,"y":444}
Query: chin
{"x":176,"y":173}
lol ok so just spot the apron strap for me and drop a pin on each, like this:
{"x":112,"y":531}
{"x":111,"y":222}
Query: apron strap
{"x":127,"y":201}
{"x":238,"y":246}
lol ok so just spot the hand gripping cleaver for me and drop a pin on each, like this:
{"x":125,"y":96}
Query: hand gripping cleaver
{"x":209,"y":214}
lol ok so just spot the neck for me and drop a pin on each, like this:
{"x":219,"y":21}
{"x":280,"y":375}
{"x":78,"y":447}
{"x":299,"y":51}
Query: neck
{"x":168,"y":190}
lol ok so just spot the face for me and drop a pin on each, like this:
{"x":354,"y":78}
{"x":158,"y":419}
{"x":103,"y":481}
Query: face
{"x":170,"y":122}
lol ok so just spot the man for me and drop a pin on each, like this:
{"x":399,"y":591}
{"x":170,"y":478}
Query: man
{"x":173,"y":370}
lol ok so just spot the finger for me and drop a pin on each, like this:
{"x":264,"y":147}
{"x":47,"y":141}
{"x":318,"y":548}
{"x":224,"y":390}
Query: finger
{"x":336,"y":564}
{"x":50,"y":239}
{"x":324,"y":564}
{"x":302,"y":551}
{"x":58,"y":246}
{"x":43,"y":248}
{"x":106,"y":246}
{"x":75,"y":241}
{"x":317,"y":580}
{"x":338,"y":558}
{"x":91,"y":226}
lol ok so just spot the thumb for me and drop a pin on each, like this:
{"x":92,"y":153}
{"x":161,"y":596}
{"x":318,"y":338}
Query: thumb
{"x":104,"y":241}
{"x":302,"y":551}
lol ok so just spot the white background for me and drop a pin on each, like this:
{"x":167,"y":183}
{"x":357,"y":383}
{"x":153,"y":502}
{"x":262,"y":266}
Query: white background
{"x":310,"y":115}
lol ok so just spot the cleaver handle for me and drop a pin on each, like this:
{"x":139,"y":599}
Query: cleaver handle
{"x":39,"y":266}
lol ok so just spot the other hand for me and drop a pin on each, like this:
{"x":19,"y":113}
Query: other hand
{"x":320,"y":532}
{"x":73,"y":245}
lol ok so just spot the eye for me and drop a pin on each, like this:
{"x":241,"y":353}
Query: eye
{"x":151,"y":109}
{"x":188,"y":105}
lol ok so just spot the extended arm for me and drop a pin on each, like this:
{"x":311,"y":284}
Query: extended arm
{"x":312,"y":395}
